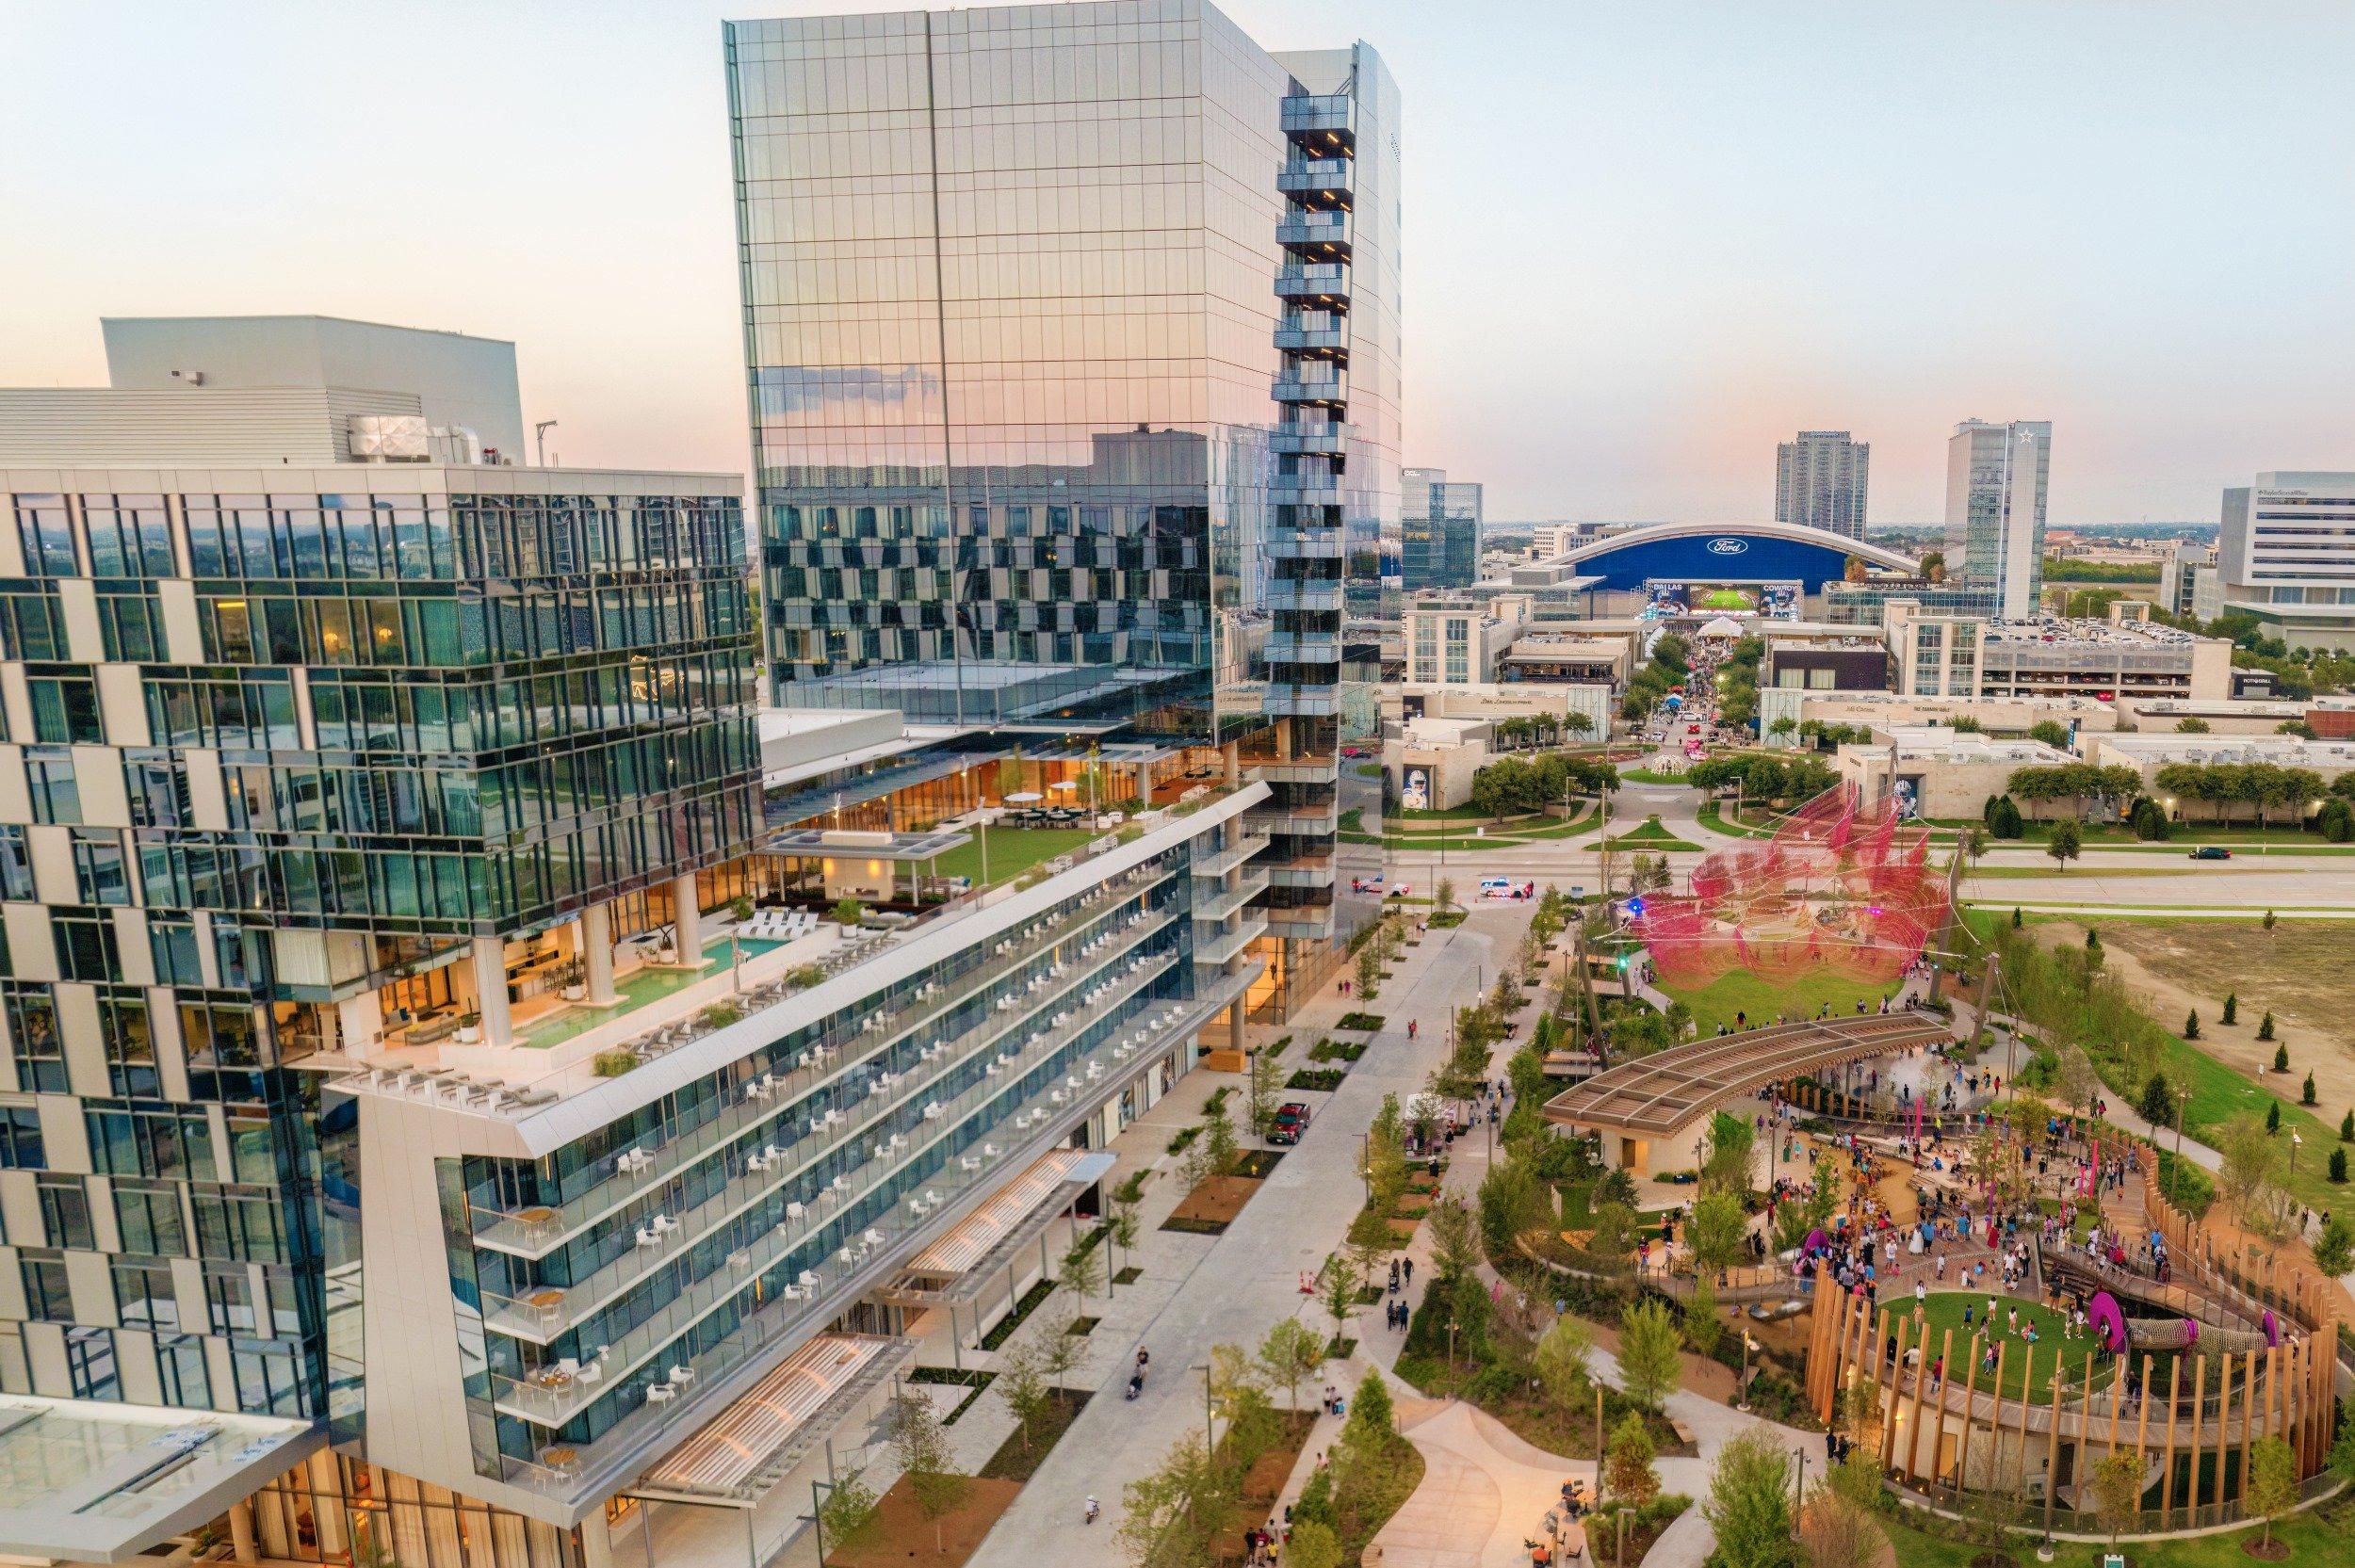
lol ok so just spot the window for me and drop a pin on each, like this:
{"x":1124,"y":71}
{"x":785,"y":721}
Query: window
{"x":20,"y":1138}
{"x":65,"y":709}
{"x":180,"y":1364}
{"x":89,"y":1362}
{"x":130,"y":1045}
{"x":33,"y":1038}
{"x":57,"y":798}
{"x":65,"y":1211}
{"x":229,"y":1300}
{"x":144,"y":1298}
{"x":129,"y":536}
{"x":16,"y":866}
{"x":158,"y":791}
{"x":86,"y":944}
{"x":98,"y":866}
{"x":150,"y":1219}
{"x":47,"y":1296}
{"x":46,"y":534}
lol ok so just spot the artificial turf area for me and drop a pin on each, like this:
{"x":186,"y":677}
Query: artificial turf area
{"x":1764,"y":1001}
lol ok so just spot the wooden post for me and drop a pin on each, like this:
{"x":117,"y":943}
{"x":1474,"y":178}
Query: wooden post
{"x":1921,"y":1376}
{"x":1996,"y":1460}
{"x":2118,"y":1396}
{"x":2142,"y":1414}
{"x":1888,"y":1423}
{"x":2052,"y":1443}
{"x":2248,"y":1415}
{"x":2167,"y":1480}
{"x":1969,"y":1409}
{"x":2199,"y":1395}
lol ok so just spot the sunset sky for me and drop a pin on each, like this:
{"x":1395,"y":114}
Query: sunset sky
{"x":1643,"y":242}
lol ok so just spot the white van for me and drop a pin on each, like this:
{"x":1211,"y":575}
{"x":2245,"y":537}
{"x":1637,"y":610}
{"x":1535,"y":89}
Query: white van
{"x":1496,"y":887}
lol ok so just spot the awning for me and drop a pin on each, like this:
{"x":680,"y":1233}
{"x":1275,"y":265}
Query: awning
{"x":758,"y":1440}
{"x":986,"y":1233}
{"x":93,"y":1482}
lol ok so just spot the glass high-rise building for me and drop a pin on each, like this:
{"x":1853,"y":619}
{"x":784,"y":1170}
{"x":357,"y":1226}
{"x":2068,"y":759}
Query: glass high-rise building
{"x":1821,"y":479}
{"x":1995,"y":483}
{"x":1439,"y":524}
{"x":1072,"y":361}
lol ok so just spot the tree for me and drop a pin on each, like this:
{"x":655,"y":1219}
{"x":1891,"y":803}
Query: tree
{"x":2248,"y":1156}
{"x":2077,"y":1081}
{"x":1835,"y":1529}
{"x":2052,"y":731}
{"x":1560,"y":1359}
{"x":1264,"y":1091}
{"x":1703,"y":1328}
{"x":1455,"y":1241}
{"x":1749,"y":1502}
{"x":2191,"y":1025}
{"x":1337,"y":1291}
{"x":2306,"y":1095}
{"x":1221,"y":1154}
{"x":2232,"y":1008}
{"x":1627,"y":1476}
{"x":1314,"y":1544}
{"x":2117,"y":1487}
{"x":2334,"y":1249}
{"x":920,"y":1444}
{"x":2338,"y":1167}
{"x":1023,"y":1382}
{"x":2157,"y":1104}
{"x":1727,"y":1167}
{"x":2346,"y":1128}
{"x":2273,"y":1117}
{"x":2270,"y":921}
{"x":2066,"y":841}
{"x":1174,"y":1517}
{"x":1291,"y":1352}
{"x":1648,"y":1362}
{"x":2265,"y":1032}
{"x":1443,"y":895}
{"x":2191,"y":726}
{"x":2272,"y":1489}
{"x":846,"y":1515}
{"x":1719,"y":1227}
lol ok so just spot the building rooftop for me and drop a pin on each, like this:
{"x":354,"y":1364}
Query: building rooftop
{"x":2286,"y":750}
{"x":1937,"y":742}
{"x":2056,"y":630}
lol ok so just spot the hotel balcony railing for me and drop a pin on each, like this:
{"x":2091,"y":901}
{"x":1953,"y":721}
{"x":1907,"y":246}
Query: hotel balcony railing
{"x":535,"y":1235}
{"x":1323,"y":112}
{"x":543,"y":1315}
{"x":1324,"y":282}
{"x":1324,"y":391}
{"x":1317,"y":177}
{"x":1218,"y":863}
{"x":1299,"y":770}
{"x":1305,"y":490}
{"x":1302,"y":923}
{"x":1330,"y":341}
{"x":1324,"y":817}
{"x":1313,"y":437}
{"x":1292,"y":701}
{"x":1305,"y":872}
{"x":1304,"y":650}
{"x":1298,"y":594}
{"x":553,"y":1403}
{"x":1212,"y":951}
{"x":1306,"y":544}
{"x":1219,"y":905}
{"x":1317,"y":227}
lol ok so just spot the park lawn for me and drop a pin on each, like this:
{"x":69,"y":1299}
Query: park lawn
{"x":2188,"y":833}
{"x":1944,"y":1310}
{"x":1466,"y":812}
{"x":1765,"y":1000}
{"x":1713,"y":815}
{"x":2310,"y":1539}
{"x":1649,"y":776}
{"x":1011,"y":851}
{"x":1648,"y":844}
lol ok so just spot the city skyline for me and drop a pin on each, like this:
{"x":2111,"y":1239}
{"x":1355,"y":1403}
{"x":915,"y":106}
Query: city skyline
{"x":1670,"y":357}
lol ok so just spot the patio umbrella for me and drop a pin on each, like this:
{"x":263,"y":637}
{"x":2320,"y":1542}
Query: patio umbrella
{"x":1024,"y":797}
{"x":1063,"y":784}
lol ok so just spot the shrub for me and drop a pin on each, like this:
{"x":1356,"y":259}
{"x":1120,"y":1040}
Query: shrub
{"x":2306,"y":1095}
{"x":2338,"y":1165}
{"x":2232,"y":1008}
{"x":613,"y":1064}
{"x":850,"y":911}
{"x":719,"y":1016}
{"x":806,"y":976}
{"x":2191,"y":1025}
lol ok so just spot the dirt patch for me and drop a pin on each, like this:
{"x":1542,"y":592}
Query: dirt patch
{"x":901,"y":1535}
{"x":2182,"y":965}
{"x":1216,"y":1201}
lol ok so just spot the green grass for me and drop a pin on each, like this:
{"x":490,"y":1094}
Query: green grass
{"x":1712,"y":815}
{"x":1011,"y":851}
{"x":1944,"y":1310}
{"x":1445,"y":813}
{"x":1765,"y":1000}
{"x":1658,"y":841}
{"x":1649,"y":776}
{"x":2000,"y":872}
{"x":2310,"y":1539}
{"x":2280,"y":836}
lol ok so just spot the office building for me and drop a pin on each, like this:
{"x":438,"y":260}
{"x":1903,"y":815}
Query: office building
{"x":1461,"y":641}
{"x":1820,"y":480}
{"x":1955,"y":656}
{"x":1866,"y":603}
{"x":2286,"y":555}
{"x":1440,"y":525}
{"x":1936,"y":772}
{"x":2179,"y":574}
{"x":1996,"y":477}
{"x":1072,"y":355}
{"x":443,"y":1107}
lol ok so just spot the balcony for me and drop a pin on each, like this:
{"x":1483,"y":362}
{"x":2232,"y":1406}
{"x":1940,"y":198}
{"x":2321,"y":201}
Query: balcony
{"x":543,"y":1315}
{"x":1318,"y":390}
{"x":1306,"y":544}
{"x":1212,"y":951}
{"x":1323,"y":182}
{"x":536,"y":1232}
{"x":1324,"y":283}
{"x":1306,"y":871}
{"x":1309,"y":923}
{"x":551,"y":1402}
{"x":1300,"y":700}
{"x":1305,"y":490}
{"x":1226,"y":901}
{"x":1298,"y":594}
{"x":1219,"y":863}
{"x":1327,"y":232}
{"x":1321,"y":116}
{"x":1326,"y":342}
{"x":1306,"y":768}
{"x":1310,"y":438}
{"x":1305,"y":648}
{"x":1320,"y":818}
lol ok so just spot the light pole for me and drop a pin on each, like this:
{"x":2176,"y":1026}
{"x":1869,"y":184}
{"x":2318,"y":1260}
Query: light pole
{"x":1742,"y":1392}
{"x":2295,"y":1141}
{"x":539,"y":438}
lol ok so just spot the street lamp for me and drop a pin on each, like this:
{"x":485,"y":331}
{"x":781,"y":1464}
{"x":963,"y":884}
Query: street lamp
{"x":2295,"y":1141}
{"x":1742,"y":1392}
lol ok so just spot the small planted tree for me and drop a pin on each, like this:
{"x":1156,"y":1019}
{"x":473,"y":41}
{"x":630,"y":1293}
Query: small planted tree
{"x":1291,"y":1352}
{"x":2157,"y":1104}
{"x":2346,"y":1128}
{"x":2338,"y":1169}
{"x":920,"y":1444}
{"x":1263,"y":1094}
{"x":1648,"y":1360}
{"x":1369,"y":972}
{"x":846,"y":1515}
{"x":2066,"y":841}
{"x":2191,"y":1025}
{"x":1337,"y":1291}
{"x":2232,"y":1008}
{"x":1560,"y":1359}
{"x":1749,"y":1502}
{"x":1628,"y":1475}
{"x":1703,"y":1328}
{"x":2117,"y":1487}
{"x":2306,"y":1095}
{"x":2272,"y":1489}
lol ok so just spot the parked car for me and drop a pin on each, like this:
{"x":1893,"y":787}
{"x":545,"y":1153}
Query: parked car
{"x":2211,"y":851}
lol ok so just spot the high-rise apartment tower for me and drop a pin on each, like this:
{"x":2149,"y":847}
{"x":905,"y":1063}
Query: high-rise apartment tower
{"x":1820,"y":480}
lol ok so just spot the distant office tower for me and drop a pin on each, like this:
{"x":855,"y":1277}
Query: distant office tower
{"x":1820,"y":480}
{"x":2285,"y":554}
{"x":1995,"y":483}
{"x":1438,"y":530}
{"x":1072,"y":348}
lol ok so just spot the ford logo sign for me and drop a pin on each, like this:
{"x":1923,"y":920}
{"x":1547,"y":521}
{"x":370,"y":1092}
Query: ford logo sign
{"x":1728,"y":546}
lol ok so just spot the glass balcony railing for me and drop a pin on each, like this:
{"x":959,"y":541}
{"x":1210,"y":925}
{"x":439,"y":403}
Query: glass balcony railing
{"x":1304,"y":650}
{"x":1313,"y":340}
{"x":1310,"y":389}
{"x":1295,"y":594}
{"x":1306,"y":544}
{"x":1241,"y":848}
{"x":1316,"y":229}
{"x":1219,"y":905}
{"x":1312,"y":435}
{"x":535,"y":1232}
{"x":1321,"y":818}
{"x":552,"y":1401}
{"x":819,"y":1293}
{"x":1316,"y":177}
{"x":1210,"y":952}
{"x":1322,"y":280}
{"x":1326,"y":112}
{"x":1305,"y":489}
{"x":541,"y":1315}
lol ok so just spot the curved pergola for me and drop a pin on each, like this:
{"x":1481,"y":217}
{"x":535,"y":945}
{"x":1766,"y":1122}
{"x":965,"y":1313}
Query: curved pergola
{"x":1654,"y":1096}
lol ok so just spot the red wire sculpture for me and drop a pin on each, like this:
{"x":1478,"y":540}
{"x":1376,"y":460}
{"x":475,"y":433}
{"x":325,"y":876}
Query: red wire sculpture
{"x":1839,"y":885}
